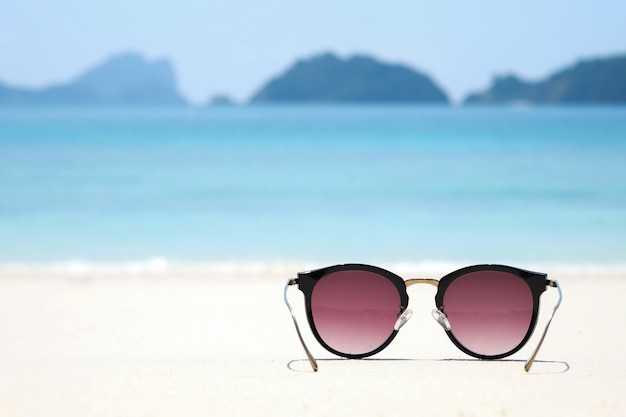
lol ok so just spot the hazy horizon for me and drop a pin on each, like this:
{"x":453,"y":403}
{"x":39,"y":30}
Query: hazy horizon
{"x":234,"y":47}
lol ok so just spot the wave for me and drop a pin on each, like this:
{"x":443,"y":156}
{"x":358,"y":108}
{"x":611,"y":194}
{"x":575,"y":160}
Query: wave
{"x":273,"y":270}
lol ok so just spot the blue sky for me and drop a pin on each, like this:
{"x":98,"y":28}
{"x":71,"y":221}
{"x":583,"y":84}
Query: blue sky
{"x":233,"y":46}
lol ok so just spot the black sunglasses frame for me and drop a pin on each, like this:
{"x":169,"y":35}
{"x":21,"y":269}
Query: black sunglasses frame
{"x":536,"y":281}
{"x":307,"y":281}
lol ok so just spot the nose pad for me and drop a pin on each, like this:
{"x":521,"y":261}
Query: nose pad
{"x":441,"y":318}
{"x":403,"y":318}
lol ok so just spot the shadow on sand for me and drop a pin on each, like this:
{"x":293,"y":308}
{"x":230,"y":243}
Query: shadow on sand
{"x":540,"y":367}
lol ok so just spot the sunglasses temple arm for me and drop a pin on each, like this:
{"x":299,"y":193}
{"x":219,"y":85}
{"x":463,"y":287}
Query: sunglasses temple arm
{"x":531,"y":360}
{"x":312,"y":360}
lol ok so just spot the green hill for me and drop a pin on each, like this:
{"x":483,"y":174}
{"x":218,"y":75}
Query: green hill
{"x":588,"y":81}
{"x":125,"y":79}
{"x":328,"y":78}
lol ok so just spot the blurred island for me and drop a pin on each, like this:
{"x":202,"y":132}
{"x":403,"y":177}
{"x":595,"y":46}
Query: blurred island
{"x":588,"y":81}
{"x":328,"y":78}
{"x":221,"y":100}
{"x":125,"y":79}
{"x":129,"y":79}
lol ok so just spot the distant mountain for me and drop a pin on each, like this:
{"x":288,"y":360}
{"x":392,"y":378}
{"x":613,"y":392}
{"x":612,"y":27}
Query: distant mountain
{"x":328,"y":78}
{"x":125,"y":79}
{"x":588,"y":81}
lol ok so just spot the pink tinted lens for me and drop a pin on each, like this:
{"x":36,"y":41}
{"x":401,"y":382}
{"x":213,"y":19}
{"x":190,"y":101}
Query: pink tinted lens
{"x":354,"y":311}
{"x":489,"y":312}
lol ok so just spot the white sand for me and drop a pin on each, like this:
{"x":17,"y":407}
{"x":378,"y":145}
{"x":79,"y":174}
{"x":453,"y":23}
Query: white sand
{"x":205,"y":342}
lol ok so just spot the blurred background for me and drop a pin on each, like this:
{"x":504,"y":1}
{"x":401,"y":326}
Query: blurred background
{"x":235,"y":46}
{"x":313,"y":132}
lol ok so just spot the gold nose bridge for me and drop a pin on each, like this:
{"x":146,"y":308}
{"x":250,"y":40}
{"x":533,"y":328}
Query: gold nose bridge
{"x":415,"y":281}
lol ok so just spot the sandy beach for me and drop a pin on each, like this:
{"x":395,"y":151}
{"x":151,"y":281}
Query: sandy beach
{"x":200,"y":341}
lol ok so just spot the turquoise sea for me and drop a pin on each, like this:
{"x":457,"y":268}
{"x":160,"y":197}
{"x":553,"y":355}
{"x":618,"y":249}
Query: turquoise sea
{"x":313,"y":183}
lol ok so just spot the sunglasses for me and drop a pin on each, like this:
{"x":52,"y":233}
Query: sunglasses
{"x":487,"y":311}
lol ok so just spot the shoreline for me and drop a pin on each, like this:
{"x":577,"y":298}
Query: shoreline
{"x":264,"y":271}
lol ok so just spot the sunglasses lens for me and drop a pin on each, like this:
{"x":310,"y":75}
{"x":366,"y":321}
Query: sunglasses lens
{"x":354,"y":311}
{"x":490,"y":312}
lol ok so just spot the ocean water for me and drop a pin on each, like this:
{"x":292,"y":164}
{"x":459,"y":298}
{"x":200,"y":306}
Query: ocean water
{"x":313,"y":183}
